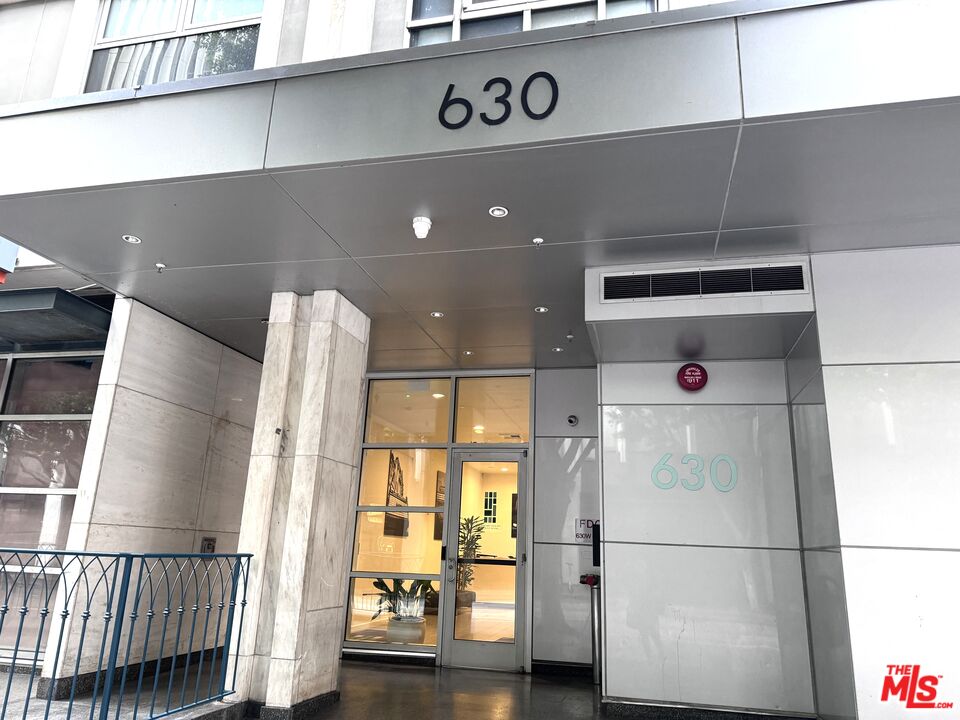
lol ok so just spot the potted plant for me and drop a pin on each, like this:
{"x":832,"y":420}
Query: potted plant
{"x":406,"y":624}
{"x":470,"y":534}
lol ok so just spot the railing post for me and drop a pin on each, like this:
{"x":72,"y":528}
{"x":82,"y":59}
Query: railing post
{"x":117,"y":631}
{"x":231,"y":613}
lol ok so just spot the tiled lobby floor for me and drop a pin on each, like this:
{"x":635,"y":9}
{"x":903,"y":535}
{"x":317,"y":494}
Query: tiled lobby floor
{"x":371,"y":691}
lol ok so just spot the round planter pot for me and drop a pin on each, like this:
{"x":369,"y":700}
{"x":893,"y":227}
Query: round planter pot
{"x":406,"y":630}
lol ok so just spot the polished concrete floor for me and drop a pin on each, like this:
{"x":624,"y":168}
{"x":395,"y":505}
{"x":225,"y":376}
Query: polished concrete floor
{"x":373,"y":691}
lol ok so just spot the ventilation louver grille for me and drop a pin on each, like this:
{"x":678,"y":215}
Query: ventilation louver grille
{"x":781,"y":278}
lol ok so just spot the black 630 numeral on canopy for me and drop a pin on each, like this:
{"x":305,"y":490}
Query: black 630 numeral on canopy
{"x":503,"y":89}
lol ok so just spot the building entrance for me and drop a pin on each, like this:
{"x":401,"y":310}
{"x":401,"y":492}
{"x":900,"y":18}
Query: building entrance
{"x":483,"y":559}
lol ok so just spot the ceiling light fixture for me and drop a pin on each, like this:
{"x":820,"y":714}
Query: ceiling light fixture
{"x":436,"y":314}
{"x":160,"y":267}
{"x":504,"y":470}
{"x":541,"y":309}
{"x":438,"y":396}
{"x":558,"y":349}
{"x":498,"y":211}
{"x":131,"y":239}
{"x":421,"y":227}
{"x":537,"y":241}
{"x":478,"y":429}
{"x":468,"y":352}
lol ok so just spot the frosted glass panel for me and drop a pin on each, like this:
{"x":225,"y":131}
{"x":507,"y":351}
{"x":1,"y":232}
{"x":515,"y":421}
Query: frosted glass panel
{"x":895,"y":443}
{"x":213,"y":11}
{"x":713,"y":626}
{"x":563,"y":16}
{"x":622,"y":8}
{"x":431,"y":35}
{"x":699,"y":475}
{"x":140,"y":17}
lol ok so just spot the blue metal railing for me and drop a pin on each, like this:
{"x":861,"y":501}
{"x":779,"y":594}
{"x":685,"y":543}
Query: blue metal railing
{"x":126,"y":635}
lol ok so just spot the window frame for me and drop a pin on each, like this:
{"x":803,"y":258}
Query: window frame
{"x":183,"y":28}
{"x":450,"y":446}
{"x":10,"y":358}
{"x":466,"y":10}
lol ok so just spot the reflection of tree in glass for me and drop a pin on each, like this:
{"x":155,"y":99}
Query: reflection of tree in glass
{"x":228,"y":51}
{"x":41,"y":454}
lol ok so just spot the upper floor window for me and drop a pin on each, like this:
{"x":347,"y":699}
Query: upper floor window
{"x":146,"y":42}
{"x":437,"y":21}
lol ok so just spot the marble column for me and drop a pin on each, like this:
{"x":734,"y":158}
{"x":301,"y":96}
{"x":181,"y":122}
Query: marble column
{"x":301,"y":488}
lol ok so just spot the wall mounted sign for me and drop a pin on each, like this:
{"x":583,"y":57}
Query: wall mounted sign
{"x":453,"y":120}
{"x":665,"y":476}
{"x":692,"y":377}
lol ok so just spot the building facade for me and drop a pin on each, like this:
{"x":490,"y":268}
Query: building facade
{"x":417,"y":299}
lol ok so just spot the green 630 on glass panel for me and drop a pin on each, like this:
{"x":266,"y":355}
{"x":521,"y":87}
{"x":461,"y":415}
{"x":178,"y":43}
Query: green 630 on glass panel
{"x":665,"y":476}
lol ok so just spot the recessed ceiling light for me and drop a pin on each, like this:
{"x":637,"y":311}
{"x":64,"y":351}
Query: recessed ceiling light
{"x":436,"y":314}
{"x":558,"y":349}
{"x":541,"y":309}
{"x":468,"y":352}
{"x":160,"y":266}
{"x":504,"y":470}
{"x":132,"y":239}
{"x":438,"y":396}
{"x":498,"y":211}
{"x":537,"y":241}
{"x":478,"y":429}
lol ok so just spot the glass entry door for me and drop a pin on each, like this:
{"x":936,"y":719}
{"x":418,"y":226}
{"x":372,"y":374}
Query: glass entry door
{"x":484,"y":559}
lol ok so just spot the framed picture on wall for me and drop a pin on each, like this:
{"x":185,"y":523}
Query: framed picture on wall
{"x":395,"y":524}
{"x":439,"y":499}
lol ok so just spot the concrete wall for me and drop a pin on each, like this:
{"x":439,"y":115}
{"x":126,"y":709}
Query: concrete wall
{"x":31,"y":39}
{"x":703,"y":590}
{"x":566,"y":491}
{"x":166,"y":461}
{"x":891,"y":376}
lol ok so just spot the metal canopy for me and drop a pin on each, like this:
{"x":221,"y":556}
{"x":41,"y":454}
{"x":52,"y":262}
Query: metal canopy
{"x":248,"y":189}
{"x":50,"y":319}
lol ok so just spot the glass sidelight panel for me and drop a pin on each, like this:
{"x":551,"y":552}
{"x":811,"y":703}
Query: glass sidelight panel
{"x":408,"y":411}
{"x":486,"y":575}
{"x":35,"y":521}
{"x":493,"y":410}
{"x":53,"y":386}
{"x":417,"y":477}
{"x":395,"y":611}
{"x":398,"y":542}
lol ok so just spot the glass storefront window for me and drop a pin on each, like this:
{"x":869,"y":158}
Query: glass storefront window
{"x":394,"y":611}
{"x":398,"y":542}
{"x":417,"y":474}
{"x":53,"y":386}
{"x":493,"y":410}
{"x":42,"y":454}
{"x":408,"y":411}
{"x":35,"y":521}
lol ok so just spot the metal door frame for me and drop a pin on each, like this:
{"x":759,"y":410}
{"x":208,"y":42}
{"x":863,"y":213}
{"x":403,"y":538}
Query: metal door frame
{"x":445,"y":639}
